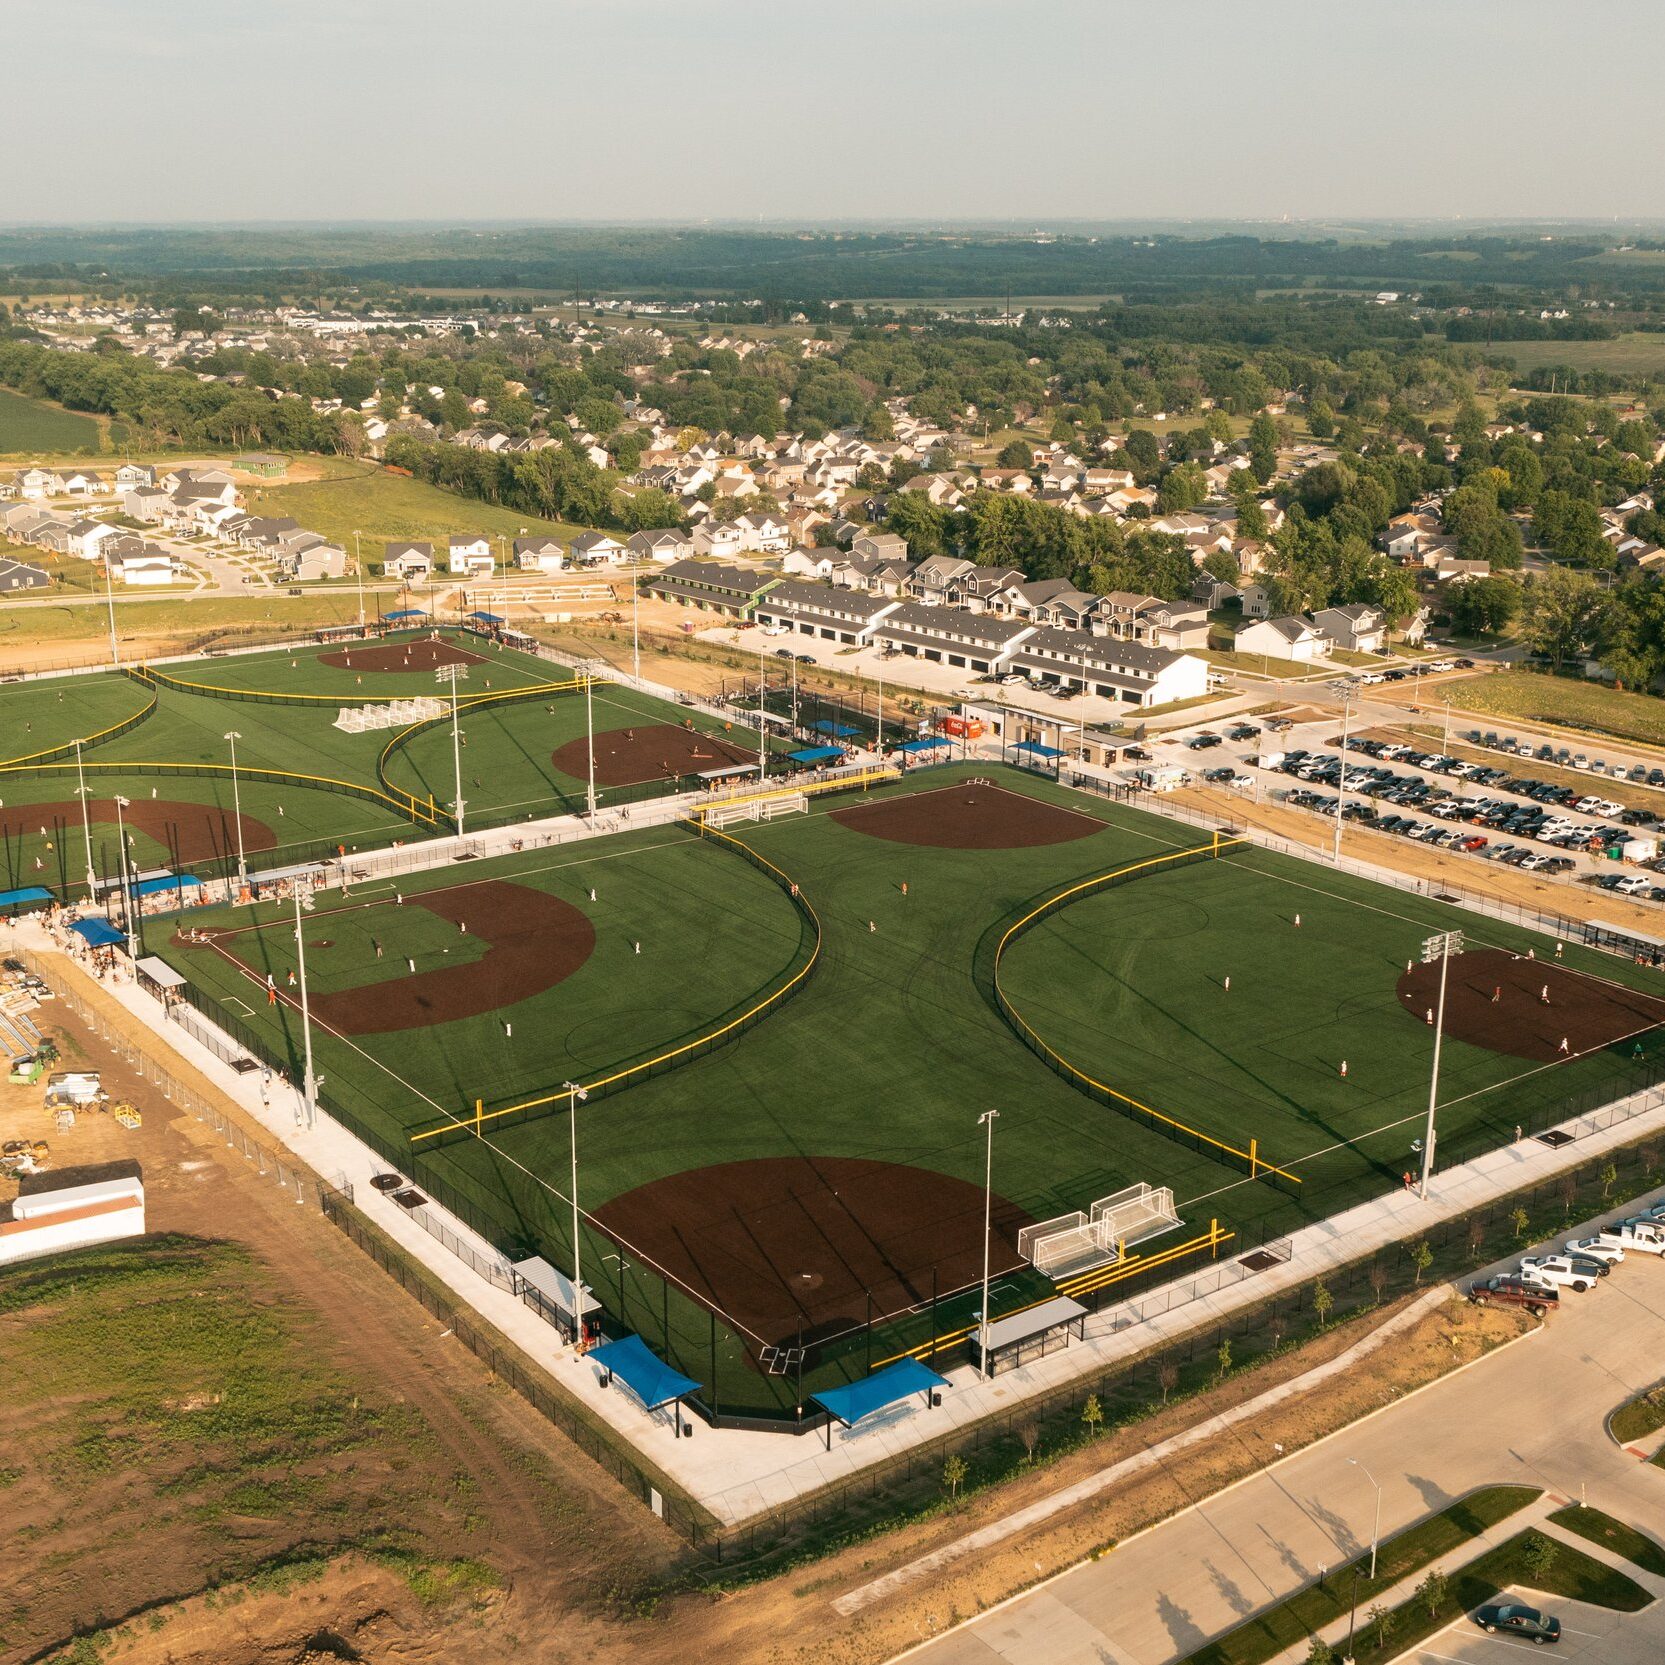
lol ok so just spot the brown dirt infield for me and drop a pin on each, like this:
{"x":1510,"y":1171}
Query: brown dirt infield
{"x":192,"y":832}
{"x":534,"y":941}
{"x":788,"y":1245}
{"x":1589,"y":1012}
{"x":968,"y":817}
{"x":401,"y":656}
{"x":648,"y":751}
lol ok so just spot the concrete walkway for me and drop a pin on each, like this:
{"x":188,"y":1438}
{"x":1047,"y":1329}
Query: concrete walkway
{"x":1531,"y":1414}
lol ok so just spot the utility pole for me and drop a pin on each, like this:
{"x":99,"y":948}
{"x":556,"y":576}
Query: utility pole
{"x":1441,"y":946}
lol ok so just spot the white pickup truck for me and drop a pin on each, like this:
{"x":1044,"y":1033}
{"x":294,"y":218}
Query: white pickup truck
{"x":1640,"y":1234}
{"x":1557,"y":1270}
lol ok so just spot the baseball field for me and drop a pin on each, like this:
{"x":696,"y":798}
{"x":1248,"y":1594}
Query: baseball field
{"x":817,"y":1181}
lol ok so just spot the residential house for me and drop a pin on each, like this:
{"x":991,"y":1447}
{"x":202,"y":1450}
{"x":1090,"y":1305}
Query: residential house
{"x":539,"y":554}
{"x":411,"y":562}
{"x":131,"y":476}
{"x":596,"y":549}
{"x":468,"y":555}
{"x":146,"y":503}
{"x":664,"y":544}
{"x":1257,"y":601}
{"x":890,"y":546}
{"x":814,"y":563}
{"x":88,"y":536}
{"x":930,"y":579}
{"x":35,"y":483}
{"x":143,"y":568}
{"x":976,"y":590}
{"x":1214,"y":593}
{"x":308,"y":557}
{"x":18,"y":575}
{"x":1357,"y":628}
{"x":766,"y":533}
{"x":1289,"y":637}
{"x":875,"y":575}
{"x":81,"y":482}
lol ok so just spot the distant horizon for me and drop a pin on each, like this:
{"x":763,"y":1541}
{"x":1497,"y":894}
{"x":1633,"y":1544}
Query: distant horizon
{"x":867,"y":111}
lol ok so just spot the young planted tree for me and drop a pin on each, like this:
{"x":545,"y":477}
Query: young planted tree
{"x":1322,"y":1302}
{"x":953,"y":1474}
{"x":1538,"y":1555}
{"x":1422,"y":1257}
{"x":1092,"y":1415}
{"x":1434,"y":1591}
{"x":1167,"y":1373}
{"x":1222,"y":1356}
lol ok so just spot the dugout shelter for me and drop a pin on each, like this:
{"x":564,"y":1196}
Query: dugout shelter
{"x":851,"y":1404}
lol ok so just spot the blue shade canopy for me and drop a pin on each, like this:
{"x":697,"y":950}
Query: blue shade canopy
{"x":99,"y":933}
{"x":16,"y":898}
{"x":641,"y":1370}
{"x":884,"y":1387}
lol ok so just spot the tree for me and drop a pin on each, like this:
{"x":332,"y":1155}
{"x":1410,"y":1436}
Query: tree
{"x":1395,"y":591}
{"x":1483,"y":606}
{"x":1434,"y":1591}
{"x":1562,"y":614}
{"x":1015,"y":454}
{"x":1320,"y":419}
{"x":1092,"y":1415}
{"x":1319,"y":1652}
{"x":1263,"y":447}
{"x":1322,"y":1302}
{"x":1520,"y":1220}
{"x":1222,"y":1359}
{"x":1167,"y":1373}
{"x":1221,"y":564}
{"x":1183,"y":487}
{"x":1570,"y":529}
{"x":1609,"y":1178}
{"x":1384,"y":1621}
{"x":953,"y":1473}
{"x":1538,"y":1555}
{"x":1422,"y":1257}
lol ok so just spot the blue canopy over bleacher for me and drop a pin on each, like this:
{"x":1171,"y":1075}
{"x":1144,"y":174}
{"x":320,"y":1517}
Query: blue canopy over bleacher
{"x":913,"y":747}
{"x":487,"y":618}
{"x":850,"y":1404}
{"x":1036,"y":749}
{"x":817,"y":754}
{"x":839,"y":731}
{"x":21,"y":898}
{"x":167,"y":881}
{"x":406,"y":613}
{"x":98,"y":933}
{"x":641,"y":1370}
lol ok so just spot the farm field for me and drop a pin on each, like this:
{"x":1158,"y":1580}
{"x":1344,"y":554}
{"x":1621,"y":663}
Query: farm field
{"x":30,"y":427}
{"x":1567,"y":702}
{"x":1636,"y":354}
{"x":382,"y":506}
{"x":818,"y":1182}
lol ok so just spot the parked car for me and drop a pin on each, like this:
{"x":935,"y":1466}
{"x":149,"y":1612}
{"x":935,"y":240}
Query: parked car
{"x":1507,"y":1290}
{"x":1559,"y":1271}
{"x":1593,"y":1246}
{"x":1513,"y":1618}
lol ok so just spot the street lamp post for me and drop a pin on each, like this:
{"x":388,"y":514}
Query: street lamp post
{"x":1376,"y":1530}
{"x":986,"y":1120}
{"x":575,"y":1096}
{"x":454,"y":674}
{"x":1441,"y":946}
{"x":232,"y":736}
{"x":86,"y":823}
{"x":126,"y":884}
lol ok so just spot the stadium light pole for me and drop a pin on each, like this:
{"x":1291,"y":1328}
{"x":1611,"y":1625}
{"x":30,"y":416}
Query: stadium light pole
{"x":86,"y":823}
{"x":1441,"y":946}
{"x":1346,"y":693}
{"x":126,"y":885}
{"x":309,"y":1083}
{"x":232,"y":736}
{"x":589,"y":740}
{"x":575,"y":1096}
{"x":1376,"y":1530}
{"x":879,"y":712}
{"x":110,"y":604}
{"x":636,"y":626}
{"x":762,"y":733}
{"x":986,"y":1120}
{"x":358,"y":564}
{"x":455,"y":674}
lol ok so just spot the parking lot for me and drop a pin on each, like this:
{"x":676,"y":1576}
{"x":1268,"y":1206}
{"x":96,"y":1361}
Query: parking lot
{"x":1595,"y":1634}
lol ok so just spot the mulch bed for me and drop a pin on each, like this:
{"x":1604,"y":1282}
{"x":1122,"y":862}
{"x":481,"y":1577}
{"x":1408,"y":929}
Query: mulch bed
{"x":190,"y":832}
{"x":534,"y":941}
{"x":1587,"y":1011}
{"x":793,"y":1245}
{"x":401,"y":656}
{"x":648,"y":751}
{"x":968,"y":817}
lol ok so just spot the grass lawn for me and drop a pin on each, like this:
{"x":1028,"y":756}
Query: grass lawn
{"x":382,"y":506}
{"x":1636,"y":1547}
{"x":1638,"y":354}
{"x":182,"y":618}
{"x":29,"y":427}
{"x":1231,"y":660}
{"x":1128,"y":985}
{"x":1569,"y":702}
{"x":1644,"y":1415}
{"x":1319,"y":1605}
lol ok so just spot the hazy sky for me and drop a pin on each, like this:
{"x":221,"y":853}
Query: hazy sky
{"x":930,"y":109}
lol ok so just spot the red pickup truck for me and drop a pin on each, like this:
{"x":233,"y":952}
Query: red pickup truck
{"x":1507,"y":1290}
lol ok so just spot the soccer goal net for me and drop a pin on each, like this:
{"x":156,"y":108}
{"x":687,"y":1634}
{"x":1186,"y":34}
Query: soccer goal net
{"x":726,"y":815}
{"x":789,"y":803}
{"x":1079,"y":1242}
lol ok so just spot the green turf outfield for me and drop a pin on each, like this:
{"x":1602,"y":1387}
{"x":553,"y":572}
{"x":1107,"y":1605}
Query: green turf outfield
{"x":1129,"y":985}
{"x":38,"y":716}
{"x":508,"y":768}
{"x":664,"y":889}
